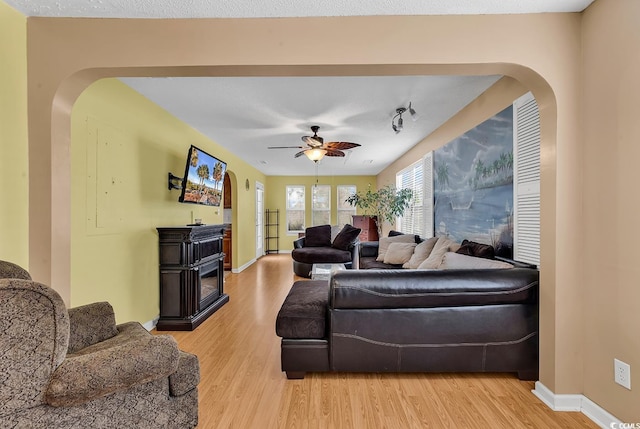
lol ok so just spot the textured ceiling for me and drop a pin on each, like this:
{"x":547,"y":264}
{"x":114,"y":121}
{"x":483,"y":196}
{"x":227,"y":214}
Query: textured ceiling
{"x":285,"y":8}
{"x":247,"y":115}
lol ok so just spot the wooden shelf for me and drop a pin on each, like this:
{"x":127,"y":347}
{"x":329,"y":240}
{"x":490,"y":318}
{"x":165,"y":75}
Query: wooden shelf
{"x":272,"y":231}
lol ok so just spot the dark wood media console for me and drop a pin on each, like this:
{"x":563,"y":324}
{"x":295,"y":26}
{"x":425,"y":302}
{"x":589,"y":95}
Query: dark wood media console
{"x":191,"y":275}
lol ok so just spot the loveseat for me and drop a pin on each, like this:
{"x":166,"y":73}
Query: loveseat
{"x":412,"y":320}
{"x":77,"y":369}
{"x":325,"y":244}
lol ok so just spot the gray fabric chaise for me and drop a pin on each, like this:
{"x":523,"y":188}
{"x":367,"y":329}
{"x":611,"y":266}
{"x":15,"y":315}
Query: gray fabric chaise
{"x":77,"y":368}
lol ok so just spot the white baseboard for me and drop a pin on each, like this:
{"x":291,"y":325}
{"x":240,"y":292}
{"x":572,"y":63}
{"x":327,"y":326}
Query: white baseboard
{"x":575,"y":403}
{"x":243,"y":267}
{"x":599,"y":415}
{"x":151,"y":324}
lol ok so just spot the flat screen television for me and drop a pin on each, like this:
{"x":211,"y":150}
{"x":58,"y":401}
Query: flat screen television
{"x":203,"y":178}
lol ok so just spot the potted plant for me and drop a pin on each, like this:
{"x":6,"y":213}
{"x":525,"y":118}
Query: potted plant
{"x":386,"y":204}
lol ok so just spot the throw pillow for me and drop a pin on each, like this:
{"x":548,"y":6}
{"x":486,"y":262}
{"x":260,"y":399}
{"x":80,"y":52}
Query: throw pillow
{"x":318,"y":236}
{"x":346,"y":237}
{"x":384,"y":243}
{"x":435,"y":258}
{"x":471,"y":248}
{"x":458,"y":261}
{"x":399,"y":253}
{"x":420,"y":253}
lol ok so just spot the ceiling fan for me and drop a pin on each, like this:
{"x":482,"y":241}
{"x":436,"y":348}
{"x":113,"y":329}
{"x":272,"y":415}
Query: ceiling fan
{"x":317,"y":148}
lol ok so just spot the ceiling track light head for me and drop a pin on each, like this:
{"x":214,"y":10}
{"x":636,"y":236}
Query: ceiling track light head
{"x":399,"y":125}
{"x":414,"y":115}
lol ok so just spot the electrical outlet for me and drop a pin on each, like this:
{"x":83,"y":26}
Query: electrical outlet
{"x":622,"y":373}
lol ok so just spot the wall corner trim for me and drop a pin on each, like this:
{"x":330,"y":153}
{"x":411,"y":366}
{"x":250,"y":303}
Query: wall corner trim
{"x":580,"y":403}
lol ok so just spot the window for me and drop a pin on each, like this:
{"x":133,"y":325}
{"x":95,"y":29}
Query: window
{"x":295,"y":209}
{"x":418,"y":218}
{"x":321,"y":205}
{"x":345,"y":210}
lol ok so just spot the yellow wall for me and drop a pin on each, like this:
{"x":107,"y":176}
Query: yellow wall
{"x":276,"y":198}
{"x":122,"y":147}
{"x":14,"y":168}
{"x":611,"y":135}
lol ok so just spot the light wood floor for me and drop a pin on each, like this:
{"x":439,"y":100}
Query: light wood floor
{"x":242,"y":386}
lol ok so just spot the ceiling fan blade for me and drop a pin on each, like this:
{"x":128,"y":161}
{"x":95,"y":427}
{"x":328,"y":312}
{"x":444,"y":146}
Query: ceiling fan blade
{"x":312,"y":141}
{"x":285,"y":147}
{"x":334,"y":152}
{"x":340,"y":145}
{"x":299,"y":154}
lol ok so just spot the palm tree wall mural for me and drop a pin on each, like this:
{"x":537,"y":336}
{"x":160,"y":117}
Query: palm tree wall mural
{"x":473,"y":189}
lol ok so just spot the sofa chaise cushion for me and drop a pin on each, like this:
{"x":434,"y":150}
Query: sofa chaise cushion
{"x":321,"y":255}
{"x":304,"y":311}
{"x":457,"y":261}
{"x":370,"y":263}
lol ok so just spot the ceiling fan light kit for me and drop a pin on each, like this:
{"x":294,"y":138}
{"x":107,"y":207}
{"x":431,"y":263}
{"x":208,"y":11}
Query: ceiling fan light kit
{"x":398,"y":125}
{"x":316,"y":147}
{"x":315,"y":154}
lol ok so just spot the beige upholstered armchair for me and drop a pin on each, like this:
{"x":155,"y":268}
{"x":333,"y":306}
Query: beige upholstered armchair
{"x":77,"y":368}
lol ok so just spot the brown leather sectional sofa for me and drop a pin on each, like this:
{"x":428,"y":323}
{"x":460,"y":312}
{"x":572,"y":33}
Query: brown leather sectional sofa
{"x":395,"y":320}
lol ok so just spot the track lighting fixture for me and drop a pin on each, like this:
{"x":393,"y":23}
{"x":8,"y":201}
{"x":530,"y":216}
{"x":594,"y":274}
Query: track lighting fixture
{"x":398,"y":125}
